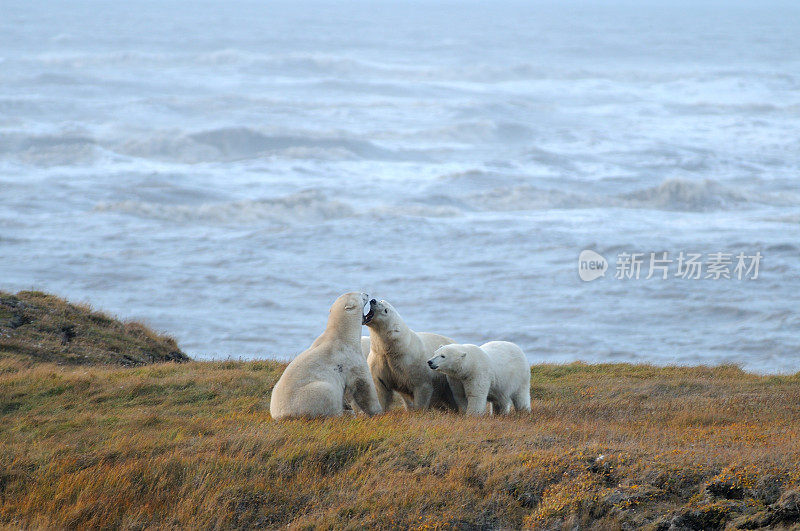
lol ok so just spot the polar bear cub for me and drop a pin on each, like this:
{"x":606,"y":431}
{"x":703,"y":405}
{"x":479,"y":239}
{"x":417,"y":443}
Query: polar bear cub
{"x":496,"y":372}
{"x":319,"y":381}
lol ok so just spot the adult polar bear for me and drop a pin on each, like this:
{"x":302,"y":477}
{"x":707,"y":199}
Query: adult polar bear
{"x":496,"y":371}
{"x":397,"y":357}
{"x":317,"y":381}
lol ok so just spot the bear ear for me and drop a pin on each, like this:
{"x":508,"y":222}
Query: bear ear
{"x":463,"y":355}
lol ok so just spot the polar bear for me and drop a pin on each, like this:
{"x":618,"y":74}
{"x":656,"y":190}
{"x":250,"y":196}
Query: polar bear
{"x":317,"y":382}
{"x":397,"y":361}
{"x":496,"y":371}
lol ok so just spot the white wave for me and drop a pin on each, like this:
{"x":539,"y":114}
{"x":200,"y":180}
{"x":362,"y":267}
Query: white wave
{"x":289,"y":63}
{"x":472,"y":180}
{"x":308,"y":206}
{"x":790,"y":218}
{"x":235,"y":143}
{"x":298,"y":63}
{"x":672,"y":194}
{"x":524,"y":197}
{"x":681,"y":194}
{"x":15,"y":142}
{"x":49,"y":150}
{"x":417,"y":210}
{"x":476,"y":131}
{"x":84,"y":59}
{"x":169,"y":146}
{"x":451,"y":195}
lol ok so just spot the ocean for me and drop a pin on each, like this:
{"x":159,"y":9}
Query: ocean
{"x":223,"y":170}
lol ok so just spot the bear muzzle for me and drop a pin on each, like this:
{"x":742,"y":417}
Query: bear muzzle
{"x":366,"y":318}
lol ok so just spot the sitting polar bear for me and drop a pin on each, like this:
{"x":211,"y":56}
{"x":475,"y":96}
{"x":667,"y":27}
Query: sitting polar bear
{"x":496,"y":371}
{"x":317,"y":382}
{"x":397,"y":357}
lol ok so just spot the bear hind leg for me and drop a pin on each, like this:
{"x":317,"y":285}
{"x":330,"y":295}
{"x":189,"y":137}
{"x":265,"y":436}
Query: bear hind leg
{"x":501,"y":406}
{"x":318,"y":399}
{"x":522,"y":400}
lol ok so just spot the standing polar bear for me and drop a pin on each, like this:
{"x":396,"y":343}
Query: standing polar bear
{"x":496,"y":371}
{"x":316,"y":383}
{"x":397,"y":358}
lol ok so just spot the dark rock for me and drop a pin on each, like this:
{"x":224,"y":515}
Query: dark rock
{"x":177,"y":356}
{"x":768,"y":489}
{"x":620,"y":498}
{"x":529,"y":499}
{"x":603,"y":468}
{"x":67,"y":333}
{"x":787,"y":509}
{"x":702,"y":518}
{"x":725,"y":488}
{"x":131,"y":362}
{"x":19,"y":319}
{"x":784,"y":513}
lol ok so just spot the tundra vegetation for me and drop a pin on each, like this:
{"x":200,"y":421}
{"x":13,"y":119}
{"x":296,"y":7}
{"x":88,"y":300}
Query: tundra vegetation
{"x":95,"y":440}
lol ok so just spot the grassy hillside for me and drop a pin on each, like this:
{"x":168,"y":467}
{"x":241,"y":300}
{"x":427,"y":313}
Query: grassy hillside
{"x":192,"y":445}
{"x":35,"y":327}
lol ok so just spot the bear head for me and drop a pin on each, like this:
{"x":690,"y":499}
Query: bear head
{"x":448,"y":359}
{"x":381,"y":315}
{"x":346,"y":311}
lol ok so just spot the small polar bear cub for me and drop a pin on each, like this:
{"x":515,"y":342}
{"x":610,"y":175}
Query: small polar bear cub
{"x":496,"y":372}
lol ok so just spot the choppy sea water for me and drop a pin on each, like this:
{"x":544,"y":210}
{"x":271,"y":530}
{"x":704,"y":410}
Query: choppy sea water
{"x":223,"y":170}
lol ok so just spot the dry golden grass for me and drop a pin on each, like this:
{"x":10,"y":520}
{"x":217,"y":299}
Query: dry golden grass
{"x":192,"y":445}
{"x":36,"y":327}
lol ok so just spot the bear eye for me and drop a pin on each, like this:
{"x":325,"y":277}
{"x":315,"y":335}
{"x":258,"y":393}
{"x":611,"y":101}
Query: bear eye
{"x":385,"y":310}
{"x":443,"y":356}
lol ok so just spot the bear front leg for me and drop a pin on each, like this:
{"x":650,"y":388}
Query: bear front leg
{"x":476,"y":405}
{"x":422,"y":397}
{"x":363,"y":390}
{"x":458,"y":393}
{"x":385,"y":395}
{"x":477,"y":393}
{"x":348,"y":404}
{"x":378,"y":371}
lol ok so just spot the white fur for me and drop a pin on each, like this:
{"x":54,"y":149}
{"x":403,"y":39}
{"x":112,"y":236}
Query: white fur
{"x":317,"y":381}
{"x":365,"y":346}
{"x":397,"y":361}
{"x":350,"y":405}
{"x":496,"y":372}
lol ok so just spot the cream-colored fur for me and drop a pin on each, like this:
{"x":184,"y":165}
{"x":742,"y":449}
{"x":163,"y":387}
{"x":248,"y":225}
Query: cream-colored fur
{"x":316,"y":382}
{"x":397,"y":361}
{"x":365,"y":346}
{"x":496,"y":372}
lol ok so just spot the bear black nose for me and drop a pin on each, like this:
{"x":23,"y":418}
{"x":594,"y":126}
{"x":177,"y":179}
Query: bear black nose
{"x":430,"y":363}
